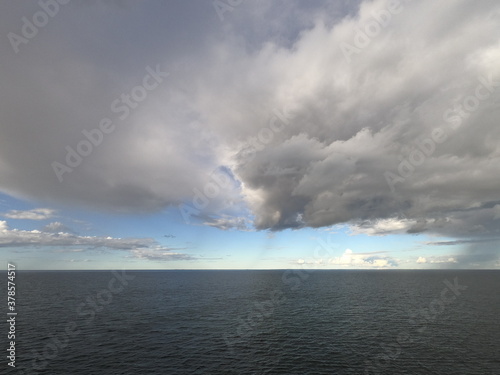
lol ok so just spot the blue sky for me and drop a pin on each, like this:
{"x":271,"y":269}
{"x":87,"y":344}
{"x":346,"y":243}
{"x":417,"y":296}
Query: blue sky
{"x":254,"y":134}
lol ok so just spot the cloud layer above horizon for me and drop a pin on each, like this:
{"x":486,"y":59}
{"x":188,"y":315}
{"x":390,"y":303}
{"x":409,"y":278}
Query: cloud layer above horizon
{"x":378,"y":114}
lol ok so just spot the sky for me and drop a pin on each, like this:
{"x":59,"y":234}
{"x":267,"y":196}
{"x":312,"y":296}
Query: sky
{"x":239,"y":134}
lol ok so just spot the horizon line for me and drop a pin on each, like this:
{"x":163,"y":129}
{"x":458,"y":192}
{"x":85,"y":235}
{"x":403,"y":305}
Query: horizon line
{"x":264,"y":269}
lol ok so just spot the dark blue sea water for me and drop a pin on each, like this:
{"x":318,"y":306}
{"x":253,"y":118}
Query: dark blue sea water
{"x":256,"y":322}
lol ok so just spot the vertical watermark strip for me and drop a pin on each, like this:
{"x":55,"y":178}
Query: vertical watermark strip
{"x":11,"y":314}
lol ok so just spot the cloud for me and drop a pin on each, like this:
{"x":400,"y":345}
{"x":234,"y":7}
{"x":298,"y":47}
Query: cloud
{"x":227,"y":222}
{"x":34,"y":214}
{"x":461,"y":242}
{"x":349,"y":124}
{"x":160,"y":254}
{"x":350,"y":259}
{"x":360,"y":260}
{"x":21,"y":238}
{"x":384,"y":227}
{"x":77,"y":260}
{"x":430,"y":75}
{"x":74,"y":79}
{"x":57,"y":227}
{"x":496,"y":210}
{"x":328,"y":163}
{"x":145,"y":248}
{"x":311,"y":263}
{"x":437,"y":260}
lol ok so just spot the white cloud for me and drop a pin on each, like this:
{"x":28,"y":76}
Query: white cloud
{"x":144,"y":248}
{"x":20,"y":238}
{"x":383,"y":227}
{"x":351,"y":259}
{"x":160,"y":254}
{"x":34,"y":214}
{"x":77,"y":260}
{"x":443,"y":259}
{"x":437,"y":260}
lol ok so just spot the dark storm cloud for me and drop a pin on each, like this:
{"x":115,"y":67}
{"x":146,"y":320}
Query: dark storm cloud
{"x":399,"y":135}
{"x":418,"y":94}
{"x":64,"y":81}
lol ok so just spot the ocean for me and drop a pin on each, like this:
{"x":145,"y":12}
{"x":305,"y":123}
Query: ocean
{"x":255,"y":322}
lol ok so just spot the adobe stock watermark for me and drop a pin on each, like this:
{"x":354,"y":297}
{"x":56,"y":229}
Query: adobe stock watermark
{"x":371,"y":29}
{"x":88,"y":309}
{"x":223,"y":6}
{"x":219,"y":180}
{"x":454,"y":116}
{"x":31,"y":26}
{"x":419,"y":321}
{"x":122,"y":107}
